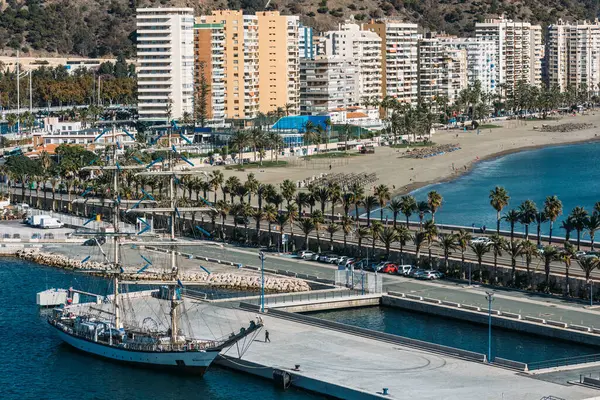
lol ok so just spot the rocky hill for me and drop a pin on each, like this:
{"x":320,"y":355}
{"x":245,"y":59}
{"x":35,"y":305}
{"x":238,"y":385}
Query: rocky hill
{"x":106,"y":27}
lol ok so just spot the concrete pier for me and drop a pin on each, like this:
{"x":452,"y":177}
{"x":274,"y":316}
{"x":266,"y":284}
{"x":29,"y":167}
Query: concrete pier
{"x":348,"y":366}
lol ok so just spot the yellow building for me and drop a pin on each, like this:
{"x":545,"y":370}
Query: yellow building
{"x":260,"y":62}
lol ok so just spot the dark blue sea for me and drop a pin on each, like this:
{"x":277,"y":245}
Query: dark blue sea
{"x":36,"y":365}
{"x":570,"y":172}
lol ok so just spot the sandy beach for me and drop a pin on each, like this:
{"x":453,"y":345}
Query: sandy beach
{"x":403,"y":174}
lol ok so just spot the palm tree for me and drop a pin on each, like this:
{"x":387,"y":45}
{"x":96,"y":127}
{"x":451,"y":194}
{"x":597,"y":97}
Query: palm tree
{"x":463,"y":238}
{"x":251,"y":186}
{"x":409,"y":205}
{"x":370,"y":203}
{"x":566,"y":255}
{"x":271,"y":214}
{"x":382,"y":192}
{"x":448,"y":243}
{"x":514,"y":250}
{"x":388,"y":236}
{"x":216,"y":180}
{"x":588,"y":264}
{"x":332,"y":229}
{"x":480,"y":249}
{"x":376,"y":229}
{"x":512,"y":217}
{"x":540,"y":218}
{"x":335,"y":196}
{"x":528,"y":250}
{"x":552,"y":209}
{"x":580,"y":220}
{"x":346,"y":224}
{"x":434,"y":200}
{"x":358,"y":194}
{"x":568,"y":226}
{"x":301,"y":200}
{"x":498,"y":200}
{"x":527,"y":215}
{"x":395,"y":207}
{"x":322,"y":194}
{"x":593,"y":224}
{"x":306,"y":225}
{"x":318,"y":220}
{"x":497,"y":244}
{"x":292,"y":214}
{"x":240,"y":140}
{"x":419,"y":239}
{"x":362,"y":233}
{"x":223,"y":209}
{"x":404,"y":236}
{"x":422,"y":208}
{"x":549,"y":254}
{"x":431,"y":235}
{"x":282,"y":220}
{"x":258,"y":215}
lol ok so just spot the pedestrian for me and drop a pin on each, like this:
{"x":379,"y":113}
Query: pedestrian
{"x":330,"y":167}
{"x":267,"y":337}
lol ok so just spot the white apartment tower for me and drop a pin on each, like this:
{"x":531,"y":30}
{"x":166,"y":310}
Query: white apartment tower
{"x":364,"y":48}
{"x":574,"y":55}
{"x":481,"y":61}
{"x":165,"y":53}
{"x":398,"y":58}
{"x":442,"y":69}
{"x":519,"y":50}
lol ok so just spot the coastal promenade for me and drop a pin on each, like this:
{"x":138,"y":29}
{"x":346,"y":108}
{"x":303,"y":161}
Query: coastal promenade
{"x":347,"y":366}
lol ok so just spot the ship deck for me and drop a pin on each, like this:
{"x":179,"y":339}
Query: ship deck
{"x":346,"y":366}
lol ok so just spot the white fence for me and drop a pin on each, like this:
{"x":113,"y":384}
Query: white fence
{"x":366,"y":282}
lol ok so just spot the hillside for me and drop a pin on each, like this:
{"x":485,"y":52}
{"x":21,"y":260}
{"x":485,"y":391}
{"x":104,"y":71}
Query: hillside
{"x":97,"y":28}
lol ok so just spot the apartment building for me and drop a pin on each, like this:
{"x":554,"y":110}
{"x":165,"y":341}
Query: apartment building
{"x":165,"y":53}
{"x":364,"y":47}
{"x":573,"y":55}
{"x":261,"y":62}
{"x":481,"y":61}
{"x":442,"y":69}
{"x":398,"y":58}
{"x":306,"y":47}
{"x":518,"y":48}
{"x":327,"y":83}
{"x":209,"y":50}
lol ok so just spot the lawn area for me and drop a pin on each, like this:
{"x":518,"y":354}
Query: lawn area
{"x":265,"y":164}
{"x":488,"y":126}
{"x":411,"y":144}
{"x":337,"y":154}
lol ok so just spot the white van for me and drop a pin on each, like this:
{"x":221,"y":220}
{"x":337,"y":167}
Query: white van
{"x":405,"y":269}
{"x":51,"y":223}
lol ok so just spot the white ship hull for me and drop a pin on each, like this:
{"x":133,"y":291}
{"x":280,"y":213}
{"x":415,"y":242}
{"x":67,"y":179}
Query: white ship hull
{"x":190,"y":361}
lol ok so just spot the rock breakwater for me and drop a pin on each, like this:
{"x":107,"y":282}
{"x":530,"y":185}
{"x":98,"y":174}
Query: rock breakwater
{"x":241,"y":281}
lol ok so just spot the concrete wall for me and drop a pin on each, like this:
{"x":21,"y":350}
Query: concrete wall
{"x":320,"y":305}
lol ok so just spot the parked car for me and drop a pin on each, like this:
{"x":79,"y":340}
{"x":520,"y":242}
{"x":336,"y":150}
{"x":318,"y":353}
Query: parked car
{"x":92,"y":241}
{"x":305,"y":254}
{"x":346,"y":261}
{"x":415,"y":272}
{"x":405,"y":269}
{"x":334,"y":259}
{"x":579,"y":253}
{"x":540,"y":249}
{"x":389,"y":268}
{"x":314,"y":257}
{"x":480,"y":239}
{"x":431,"y":275}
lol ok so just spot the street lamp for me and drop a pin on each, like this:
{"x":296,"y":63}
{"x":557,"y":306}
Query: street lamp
{"x":261,"y":255}
{"x":490,"y":297}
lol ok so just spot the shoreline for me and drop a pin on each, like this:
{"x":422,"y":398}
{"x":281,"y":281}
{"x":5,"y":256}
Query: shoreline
{"x":411,"y":187}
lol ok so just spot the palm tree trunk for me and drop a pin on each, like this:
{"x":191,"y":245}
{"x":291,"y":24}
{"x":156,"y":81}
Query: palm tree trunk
{"x":498,"y":222}
{"x":578,"y":239}
{"x":395,"y":216}
{"x":270,"y":239}
{"x":592,"y":240}
{"x":331,"y":242}
{"x":306,"y":241}
{"x":550,"y":238}
{"x":567,"y":280}
{"x":513,"y":272}
{"x":462,"y":263}
{"x":407,"y":227}
{"x":345,"y":240}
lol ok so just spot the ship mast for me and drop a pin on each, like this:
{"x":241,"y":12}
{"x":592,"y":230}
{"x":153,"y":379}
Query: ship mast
{"x":116,"y":236}
{"x":174,"y":269}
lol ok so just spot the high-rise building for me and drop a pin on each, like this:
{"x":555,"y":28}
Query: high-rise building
{"x":573,"y":55}
{"x":519,"y":51}
{"x":326,"y":83}
{"x":364,"y":48}
{"x":481,"y":61}
{"x":442,"y":69}
{"x":209,"y":42}
{"x":165,"y":53}
{"x":306,"y":47}
{"x":261,"y":68}
{"x":398,"y":58}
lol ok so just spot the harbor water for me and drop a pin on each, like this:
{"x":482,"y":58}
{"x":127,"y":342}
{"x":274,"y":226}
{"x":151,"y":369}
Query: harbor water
{"x":565,"y":171}
{"x":506,"y":344}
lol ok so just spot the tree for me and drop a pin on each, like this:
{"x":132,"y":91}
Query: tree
{"x":588,"y":264}
{"x":448,"y":244}
{"x":514,"y":250}
{"x":239,"y":141}
{"x":282,"y":220}
{"x":358,"y":194}
{"x":431,"y":235}
{"x":332,"y":229}
{"x":528,"y":250}
{"x":593,"y":224}
{"x":497,"y":244}
{"x":376,"y":229}
{"x":498,"y":200}
{"x":271,"y":214}
{"x":362,"y":233}
{"x":580,"y":220}
{"x":388,"y":236}
{"x":566,"y":255}
{"x":202,"y":92}
{"x":422,"y":208}
{"x":549,"y":254}
{"x":404,"y":236}
{"x":370,"y":203}
{"x":434,"y":199}
{"x":463,"y":238}
{"x":216,"y":180}
{"x":347,"y":224}
{"x":540,"y":218}
{"x":512,"y":217}
{"x":318,"y":220}
{"x":552,"y":209}
{"x":306,"y":225}
{"x":395,"y":207}
{"x":480,"y":249}
{"x":409,"y":205}
{"x":382,"y":192}
{"x":419,"y":238}
{"x":527,"y":215}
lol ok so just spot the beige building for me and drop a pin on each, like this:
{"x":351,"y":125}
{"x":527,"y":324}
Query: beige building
{"x":574,"y":55}
{"x":261,"y":64}
{"x":209,"y":40}
{"x":398,"y":58}
{"x":519,"y":50}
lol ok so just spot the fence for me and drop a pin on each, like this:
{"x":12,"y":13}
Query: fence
{"x":79,"y":222}
{"x":364,"y":282}
{"x":301,"y":297}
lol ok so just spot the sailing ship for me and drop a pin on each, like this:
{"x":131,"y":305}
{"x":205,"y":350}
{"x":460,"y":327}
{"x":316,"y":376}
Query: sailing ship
{"x":112,"y":337}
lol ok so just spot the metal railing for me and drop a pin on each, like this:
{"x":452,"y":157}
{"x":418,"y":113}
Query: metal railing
{"x":563,"y":362}
{"x":306,"y":296}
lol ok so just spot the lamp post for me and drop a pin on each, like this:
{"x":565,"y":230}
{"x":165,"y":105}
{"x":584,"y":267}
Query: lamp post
{"x":261,"y":255}
{"x":490,"y":297}
{"x":591,"y":292}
